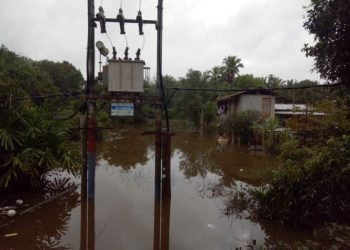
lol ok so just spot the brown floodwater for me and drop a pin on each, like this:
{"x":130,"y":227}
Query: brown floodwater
{"x":204,"y":177}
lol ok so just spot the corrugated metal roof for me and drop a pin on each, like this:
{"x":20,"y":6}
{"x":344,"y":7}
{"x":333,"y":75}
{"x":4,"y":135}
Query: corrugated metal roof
{"x":225,"y":98}
{"x":282,"y":106}
{"x":298,"y":113}
{"x":295,"y":109}
{"x":248,"y":91}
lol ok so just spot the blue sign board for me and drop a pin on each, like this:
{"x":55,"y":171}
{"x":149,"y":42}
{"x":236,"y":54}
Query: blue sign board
{"x":122,"y":109}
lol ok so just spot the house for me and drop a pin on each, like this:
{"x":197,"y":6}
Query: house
{"x":289,"y":110}
{"x":261,"y":100}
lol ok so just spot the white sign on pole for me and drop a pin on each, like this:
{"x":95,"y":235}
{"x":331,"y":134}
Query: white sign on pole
{"x":122,"y":109}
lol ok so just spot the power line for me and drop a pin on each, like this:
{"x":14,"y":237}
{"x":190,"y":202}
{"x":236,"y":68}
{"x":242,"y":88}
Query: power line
{"x":82,"y":106}
{"x":109,"y":39}
{"x":62,"y":95}
{"x":126,"y":40}
{"x":256,"y":89}
{"x":73,"y":94}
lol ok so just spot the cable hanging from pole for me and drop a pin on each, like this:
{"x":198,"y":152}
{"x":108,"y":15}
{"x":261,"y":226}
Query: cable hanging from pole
{"x":109,"y":39}
{"x":159,"y":60}
{"x":81,"y":107}
{"x":324,"y":86}
{"x":126,"y":40}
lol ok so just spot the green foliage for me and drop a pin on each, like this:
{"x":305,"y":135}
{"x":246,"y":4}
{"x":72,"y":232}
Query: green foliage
{"x":63,"y":75}
{"x":24,"y":73}
{"x":209,"y":113}
{"x":310,"y":186}
{"x":300,"y":96}
{"x":217,"y":74}
{"x":316,"y":130}
{"x":231,"y":68}
{"x":329,"y":22}
{"x":32,"y":139}
{"x":191,"y":105}
{"x":249,"y":81}
{"x":331,"y":236}
{"x":271,"y":134}
{"x":239,"y":125}
{"x":31,"y":144}
{"x":38,"y":78}
{"x":273,"y":82}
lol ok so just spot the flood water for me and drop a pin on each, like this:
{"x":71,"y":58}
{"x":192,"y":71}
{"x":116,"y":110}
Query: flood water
{"x":204,"y":176}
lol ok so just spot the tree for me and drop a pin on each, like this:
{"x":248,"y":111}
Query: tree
{"x":32,"y":144}
{"x":63,"y":74}
{"x":23,"y":73}
{"x":217,"y":74}
{"x":329,"y":22}
{"x":32,"y":140}
{"x":232,"y":66}
{"x":249,"y":81}
{"x":310,"y":183}
{"x":273,"y":81}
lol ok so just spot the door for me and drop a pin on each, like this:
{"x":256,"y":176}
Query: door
{"x":266,"y":107}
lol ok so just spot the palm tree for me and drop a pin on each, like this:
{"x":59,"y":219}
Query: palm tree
{"x":217,"y":74}
{"x":274,"y":82}
{"x":232,"y":65}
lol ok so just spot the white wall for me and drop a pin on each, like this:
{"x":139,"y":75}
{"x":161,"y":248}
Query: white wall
{"x":254,"y":102}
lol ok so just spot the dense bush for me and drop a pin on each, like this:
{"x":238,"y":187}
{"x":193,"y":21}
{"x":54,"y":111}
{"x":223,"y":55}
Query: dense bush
{"x":270,"y":133}
{"x":311,"y":186}
{"x":32,"y":139}
{"x":31,"y":144}
{"x":239,"y":125}
{"x":331,"y":236}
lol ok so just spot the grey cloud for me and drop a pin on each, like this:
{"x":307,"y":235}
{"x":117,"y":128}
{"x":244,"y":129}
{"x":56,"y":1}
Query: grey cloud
{"x":266,"y":34}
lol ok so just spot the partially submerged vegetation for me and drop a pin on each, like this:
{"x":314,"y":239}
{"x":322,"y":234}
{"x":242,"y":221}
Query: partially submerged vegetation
{"x":34,"y":136}
{"x":32,"y":143}
{"x":311,"y":185}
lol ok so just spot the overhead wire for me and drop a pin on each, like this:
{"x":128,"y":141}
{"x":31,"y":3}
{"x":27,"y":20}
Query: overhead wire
{"x":81,"y":108}
{"x":62,"y":95}
{"x":73,"y":94}
{"x":109,"y":39}
{"x":126,"y":40}
{"x":257,"y":89}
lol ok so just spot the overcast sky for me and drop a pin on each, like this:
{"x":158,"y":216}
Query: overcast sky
{"x":266,"y":34}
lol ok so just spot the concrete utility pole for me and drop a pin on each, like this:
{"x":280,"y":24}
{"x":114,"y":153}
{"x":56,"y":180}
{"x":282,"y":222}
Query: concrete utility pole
{"x":91,"y":108}
{"x":162,"y":137}
{"x":158,"y":134}
{"x":87,"y":238}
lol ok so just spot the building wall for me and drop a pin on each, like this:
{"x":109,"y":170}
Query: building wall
{"x":254,"y":102}
{"x":233,"y":105}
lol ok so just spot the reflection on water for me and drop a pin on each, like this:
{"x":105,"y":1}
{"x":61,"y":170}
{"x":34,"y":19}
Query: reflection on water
{"x":126,"y":151}
{"x":42,"y":228}
{"x":203,"y":177}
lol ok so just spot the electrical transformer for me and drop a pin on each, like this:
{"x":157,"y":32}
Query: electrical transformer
{"x":124,"y":75}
